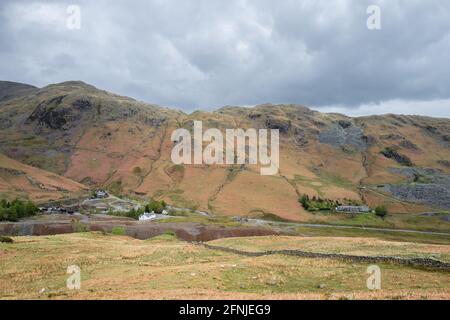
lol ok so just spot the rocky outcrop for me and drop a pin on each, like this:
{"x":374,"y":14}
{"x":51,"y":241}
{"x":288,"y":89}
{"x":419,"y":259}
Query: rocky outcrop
{"x":47,"y":114}
{"x":280,"y":124}
{"x":344,"y":134}
{"x":82,"y":104}
{"x":424,"y":186}
{"x":392,"y":153}
{"x":445,"y":163}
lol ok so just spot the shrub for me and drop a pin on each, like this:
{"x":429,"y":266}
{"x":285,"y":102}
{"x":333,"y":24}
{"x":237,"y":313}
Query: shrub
{"x":304,"y":200}
{"x":155,"y":206}
{"x":381,"y":211}
{"x":6,"y":240}
{"x":317,"y":203}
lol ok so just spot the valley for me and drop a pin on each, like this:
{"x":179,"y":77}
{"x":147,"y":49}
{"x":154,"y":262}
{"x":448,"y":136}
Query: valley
{"x":349,"y":192}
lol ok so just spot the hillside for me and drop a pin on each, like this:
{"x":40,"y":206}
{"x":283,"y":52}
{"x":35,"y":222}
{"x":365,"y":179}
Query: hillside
{"x":101,"y":139}
{"x":22,"y":181}
{"x":11,"y":90}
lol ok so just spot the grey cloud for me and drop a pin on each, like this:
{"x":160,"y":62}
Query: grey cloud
{"x":209,"y":53}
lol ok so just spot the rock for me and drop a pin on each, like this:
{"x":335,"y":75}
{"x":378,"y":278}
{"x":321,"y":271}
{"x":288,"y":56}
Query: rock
{"x":339,"y":136}
{"x":392,"y":153}
{"x":154,"y":122}
{"x":300,"y":137}
{"x":445,"y":163}
{"x":280,"y":124}
{"x":344,"y":124}
{"x":82,"y":104}
{"x":254,"y":115}
{"x":408,"y":145}
{"x":424,"y":185}
{"x":5,"y":124}
{"x":321,"y":286}
{"x":391,"y":137}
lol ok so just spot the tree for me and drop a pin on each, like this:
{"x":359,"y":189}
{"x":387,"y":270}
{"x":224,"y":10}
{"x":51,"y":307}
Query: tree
{"x":156,"y":206}
{"x":4,"y":203}
{"x":381,"y":211}
{"x":304,"y":200}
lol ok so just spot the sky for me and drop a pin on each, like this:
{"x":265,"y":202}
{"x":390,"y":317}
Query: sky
{"x":204,"y":54}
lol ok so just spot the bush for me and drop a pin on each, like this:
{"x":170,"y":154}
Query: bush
{"x":381,"y":211}
{"x":317,"y":204}
{"x":6,"y":240}
{"x":304,"y":200}
{"x":156,"y":206}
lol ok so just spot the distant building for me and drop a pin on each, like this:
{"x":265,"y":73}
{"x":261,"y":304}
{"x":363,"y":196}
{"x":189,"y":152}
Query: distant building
{"x":353,"y":209}
{"x":146,"y":216}
{"x":101,"y":194}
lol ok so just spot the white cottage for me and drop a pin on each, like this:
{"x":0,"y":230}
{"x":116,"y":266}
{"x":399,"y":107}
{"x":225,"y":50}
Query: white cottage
{"x":146,"y":216}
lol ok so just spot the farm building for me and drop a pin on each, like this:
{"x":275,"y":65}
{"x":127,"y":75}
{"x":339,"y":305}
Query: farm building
{"x":353,"y":209}
{"x":101,"y":194}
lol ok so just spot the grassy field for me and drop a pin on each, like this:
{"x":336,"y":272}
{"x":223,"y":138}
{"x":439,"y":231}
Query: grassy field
{"x":115,"y":266}
{"x":341,"y":245}
{"x":378,"y":234}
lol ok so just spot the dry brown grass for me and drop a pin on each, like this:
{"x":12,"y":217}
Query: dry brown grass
{"x":20,"y":180}
{"x":165,"y":268}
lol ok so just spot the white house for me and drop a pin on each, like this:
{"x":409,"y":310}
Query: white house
{"x":100,"y":194}
{"x":147,"y":216}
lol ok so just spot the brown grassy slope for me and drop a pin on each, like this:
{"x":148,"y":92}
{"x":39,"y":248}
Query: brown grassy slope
{"x":99,"y":138}
{"x":18,"y":180}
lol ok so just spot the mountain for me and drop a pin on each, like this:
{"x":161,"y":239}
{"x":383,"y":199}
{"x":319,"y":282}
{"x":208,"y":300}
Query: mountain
{"x":10,"y":90}
{"x":18,"y":180}
{"x":101,"y":139}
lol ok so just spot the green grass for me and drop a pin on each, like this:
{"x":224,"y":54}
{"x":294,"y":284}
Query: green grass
{"x":365,"y":220}
{"x":118,"y":231}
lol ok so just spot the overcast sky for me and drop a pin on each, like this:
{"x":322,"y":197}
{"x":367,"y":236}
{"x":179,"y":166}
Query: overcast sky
{"x":203,"y":54}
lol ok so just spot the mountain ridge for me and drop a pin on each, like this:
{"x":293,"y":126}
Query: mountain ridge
{"x":102,"y":139}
